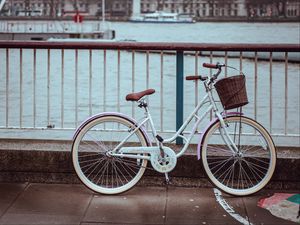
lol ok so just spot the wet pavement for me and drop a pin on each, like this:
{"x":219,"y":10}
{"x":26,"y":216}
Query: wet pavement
{"x":37,"y":203}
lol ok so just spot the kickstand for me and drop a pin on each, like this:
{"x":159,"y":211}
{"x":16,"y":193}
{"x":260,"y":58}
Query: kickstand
{"x":167,"y":179}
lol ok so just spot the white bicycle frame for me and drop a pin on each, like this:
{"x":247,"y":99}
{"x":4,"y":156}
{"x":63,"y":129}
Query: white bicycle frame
{"x":131,"y":152}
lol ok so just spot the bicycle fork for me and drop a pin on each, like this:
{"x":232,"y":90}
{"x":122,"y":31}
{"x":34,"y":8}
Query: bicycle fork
{"x":226,"y":137}
{"x":223,"y":129}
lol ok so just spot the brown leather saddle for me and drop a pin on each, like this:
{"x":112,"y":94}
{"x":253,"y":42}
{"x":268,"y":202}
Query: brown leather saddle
{"x":138,"y":95}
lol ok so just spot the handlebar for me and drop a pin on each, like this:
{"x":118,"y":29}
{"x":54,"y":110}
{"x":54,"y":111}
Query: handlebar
{"x":213,"y":77}
{"x":213,"y":66}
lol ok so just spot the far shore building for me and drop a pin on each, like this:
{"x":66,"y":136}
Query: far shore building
{"x":123,"y":9}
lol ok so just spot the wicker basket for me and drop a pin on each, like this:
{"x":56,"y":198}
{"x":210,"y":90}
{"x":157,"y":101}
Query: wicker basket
{"x":232,"y":91}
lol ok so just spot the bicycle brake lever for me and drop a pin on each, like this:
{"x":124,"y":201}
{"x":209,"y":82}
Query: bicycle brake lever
{"x":219,"y":65}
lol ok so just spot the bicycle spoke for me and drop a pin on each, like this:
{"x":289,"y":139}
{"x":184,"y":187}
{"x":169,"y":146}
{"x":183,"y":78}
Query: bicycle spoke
{"x":117,"y":175}
{"x":128,"y":162}
{"x":257,"y":171}
{"x":99,"y":167}
{"x":90,"y":165}
{"x":230,"y":174}
{"x":258,"y":159}
{"x":246,"y":176}
{"x":120,"y":171}
{"x":222,"y":164}
{"x":224,"y":173}
{"x":100,"y":144}
{"x":220,"y":150}
{"x":101,"y":172}
{"x":255,"y":174}
{"x":88,"y":155}
{"x":260,"y":151}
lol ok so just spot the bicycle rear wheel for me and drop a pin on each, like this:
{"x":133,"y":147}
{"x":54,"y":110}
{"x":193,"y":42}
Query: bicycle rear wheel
{"x":248,"y":170}
{"x":98,"y":170}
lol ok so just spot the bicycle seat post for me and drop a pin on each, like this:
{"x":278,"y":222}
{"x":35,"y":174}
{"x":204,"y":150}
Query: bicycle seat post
{"x":142,"y":103}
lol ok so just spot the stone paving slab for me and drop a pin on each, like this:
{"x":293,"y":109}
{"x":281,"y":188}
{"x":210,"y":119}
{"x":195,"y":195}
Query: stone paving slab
{"x":69,"y":204}
{"x":195,"y":206}
{"x":8,"y":193}
{"x":48,"y":204}
{"x":137,"y":206}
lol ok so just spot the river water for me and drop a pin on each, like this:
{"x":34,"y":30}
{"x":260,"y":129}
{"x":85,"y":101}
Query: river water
{"x":207,"y":32}
{"x":133,"y":76}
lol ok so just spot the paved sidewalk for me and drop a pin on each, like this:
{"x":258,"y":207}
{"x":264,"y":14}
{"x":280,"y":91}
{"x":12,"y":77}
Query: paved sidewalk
{"x":35,"y":203}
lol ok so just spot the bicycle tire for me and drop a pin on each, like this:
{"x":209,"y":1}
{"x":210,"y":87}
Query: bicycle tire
{"x":99,"y":171}
{"x":243,"y":173}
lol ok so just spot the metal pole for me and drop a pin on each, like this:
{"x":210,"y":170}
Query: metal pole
{"x":103,"y":12}
{"x":179,"y":92}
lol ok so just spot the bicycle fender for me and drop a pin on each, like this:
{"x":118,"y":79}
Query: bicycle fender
{"x":112,"y":114}
{"x":212,"y":122}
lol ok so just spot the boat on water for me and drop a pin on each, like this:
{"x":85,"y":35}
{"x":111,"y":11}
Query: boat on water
{"x":64,"y":28}
{"x":40,"y":30}
{"x":163,"y":17}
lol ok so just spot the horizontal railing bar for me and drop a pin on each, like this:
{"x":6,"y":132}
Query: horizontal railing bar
{"x":153,"y":46}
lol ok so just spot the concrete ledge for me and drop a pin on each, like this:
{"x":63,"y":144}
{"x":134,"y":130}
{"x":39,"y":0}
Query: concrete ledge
{"x":50,"y":162}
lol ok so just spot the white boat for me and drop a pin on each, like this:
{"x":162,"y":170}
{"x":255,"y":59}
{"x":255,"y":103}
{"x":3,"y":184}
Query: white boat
{"x":163,"y":17}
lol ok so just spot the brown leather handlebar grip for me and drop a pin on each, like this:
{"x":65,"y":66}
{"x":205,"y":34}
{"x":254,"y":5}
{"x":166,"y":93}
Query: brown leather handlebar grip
{"x":212,"y":66}
{"x":192,"y":77}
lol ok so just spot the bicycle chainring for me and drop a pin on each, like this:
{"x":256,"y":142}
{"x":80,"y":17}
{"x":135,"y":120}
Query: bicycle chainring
{"x":164,"y":164}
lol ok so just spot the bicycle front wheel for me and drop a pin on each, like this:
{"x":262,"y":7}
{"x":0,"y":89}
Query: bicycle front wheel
{"x":98,"y":170}
{"x":250,"y":168}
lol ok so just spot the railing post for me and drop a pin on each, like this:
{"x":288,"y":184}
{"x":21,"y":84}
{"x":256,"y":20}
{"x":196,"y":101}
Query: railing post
{"x":179,"y":92}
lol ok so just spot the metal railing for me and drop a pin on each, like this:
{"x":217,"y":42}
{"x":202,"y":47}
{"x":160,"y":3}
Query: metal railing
{"x":48,"y":88}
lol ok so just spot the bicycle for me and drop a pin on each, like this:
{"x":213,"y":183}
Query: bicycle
{"x":110,"y":150}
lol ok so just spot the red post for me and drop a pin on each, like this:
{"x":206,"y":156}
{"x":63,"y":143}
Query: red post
{"x":78,"y":18}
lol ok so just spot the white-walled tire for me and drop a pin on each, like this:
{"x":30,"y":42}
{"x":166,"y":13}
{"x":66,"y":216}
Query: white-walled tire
{"x":102,"y":172}
{"x":246,"y":172}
